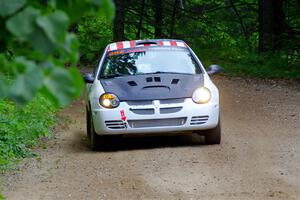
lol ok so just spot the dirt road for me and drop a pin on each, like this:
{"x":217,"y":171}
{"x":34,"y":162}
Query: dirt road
{"x":259,"y":157}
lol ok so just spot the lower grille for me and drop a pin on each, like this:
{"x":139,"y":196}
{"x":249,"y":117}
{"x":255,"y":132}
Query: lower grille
{"x":115,"y":124}
{"x":157,"y":122}
{"x":197,"y":120}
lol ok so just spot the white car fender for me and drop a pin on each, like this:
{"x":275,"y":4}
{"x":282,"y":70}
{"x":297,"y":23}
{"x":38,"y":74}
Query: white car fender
{"x":94,"y":94}
{"x":212,"y":87}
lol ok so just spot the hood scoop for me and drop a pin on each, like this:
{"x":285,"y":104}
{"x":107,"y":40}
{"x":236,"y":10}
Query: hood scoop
{"x":156,"y":87}
{"x":154,"y":90}
{"x":153,"y":79}
{"x":132,"y":83}
{"x":145,"y":87}
{"x":175,"y":81}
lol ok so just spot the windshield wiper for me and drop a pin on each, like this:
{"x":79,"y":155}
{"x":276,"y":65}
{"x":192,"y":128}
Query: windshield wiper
{"x":112,"y":76}
{"x":162,"y":72}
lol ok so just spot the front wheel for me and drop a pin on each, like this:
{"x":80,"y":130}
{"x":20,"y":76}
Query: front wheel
{"x":213,"y":136}
{"x":88,"y":123}
{"x":94,"y":139}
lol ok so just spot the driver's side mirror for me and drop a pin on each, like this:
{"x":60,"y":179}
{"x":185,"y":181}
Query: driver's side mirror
{"x":214,"y":69}
{"x":88,"y":78}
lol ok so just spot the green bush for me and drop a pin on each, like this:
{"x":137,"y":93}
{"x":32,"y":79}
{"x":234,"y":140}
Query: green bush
{"x":94,"y":32}
{"x":21,"y":128}
{"x":237,"y":62}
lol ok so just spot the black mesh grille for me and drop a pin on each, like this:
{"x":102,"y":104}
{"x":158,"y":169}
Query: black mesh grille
{"x":157,"y":122}
{"x":115,"y":124}
{"x":169,"y":110}
{"x":197,"y":120}
{"x":146,"y":111}
{"x":139,"y":103}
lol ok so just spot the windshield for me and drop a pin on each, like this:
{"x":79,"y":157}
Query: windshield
{"x":149,"y":60}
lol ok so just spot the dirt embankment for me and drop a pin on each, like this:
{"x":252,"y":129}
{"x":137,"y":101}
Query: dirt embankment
{"x":259,"y":157}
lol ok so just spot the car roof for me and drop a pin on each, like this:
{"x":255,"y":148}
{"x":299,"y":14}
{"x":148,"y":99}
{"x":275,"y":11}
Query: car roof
{"x":150,"y":42}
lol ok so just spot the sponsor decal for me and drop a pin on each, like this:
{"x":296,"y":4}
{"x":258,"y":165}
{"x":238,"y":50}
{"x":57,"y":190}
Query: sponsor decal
{"x":123,"y":116}
{"x":115,"y":47}
{"x":145,"y":49}
{"x":114,"y":53}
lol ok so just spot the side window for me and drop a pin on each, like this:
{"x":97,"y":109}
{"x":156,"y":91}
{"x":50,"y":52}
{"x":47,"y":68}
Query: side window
{"x":95,"y":70}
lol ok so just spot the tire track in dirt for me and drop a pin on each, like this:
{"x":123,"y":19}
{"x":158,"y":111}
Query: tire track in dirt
{"x":259,"y":157}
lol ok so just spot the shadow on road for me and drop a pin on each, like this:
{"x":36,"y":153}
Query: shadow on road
{"x":127,"y":143}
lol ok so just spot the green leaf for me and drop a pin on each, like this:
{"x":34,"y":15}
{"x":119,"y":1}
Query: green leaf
{"x":62,"y":85}
{"x":55,"y":25}
{"x":71,"y":48}
{"x":77,"y":82}
{"x":2,"y":197}
{"x":51,"y":3}
{"x":3,"y":86}
{"x":23,"y":23}
{"x":107,"y":7}
{"x":8,"y":7}
{"x":75,"y":8}
{"x":26,"y":85}
{"x":5,"y":69}
{"x":24,"y":26}
{"x":5,"y":65}
{"x":40,"y":42}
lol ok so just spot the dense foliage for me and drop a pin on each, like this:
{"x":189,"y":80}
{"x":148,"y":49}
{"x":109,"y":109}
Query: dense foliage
{"x":36,"y":46}
{"x":231,"y":33}
{"x":94,"y":32}
{"x":38,"y":55}
{"x":22,"y":126}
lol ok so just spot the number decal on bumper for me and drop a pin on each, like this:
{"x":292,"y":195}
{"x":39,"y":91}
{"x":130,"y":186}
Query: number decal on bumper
{"x":123,"y":117}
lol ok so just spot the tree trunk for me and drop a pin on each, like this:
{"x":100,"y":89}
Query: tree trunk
{"x":138,"y":34}
{"x":158,"y":18}
{"x":243,"y":27}
{"x":271,"y":25}
{"x":44,"y":2}
{"x":298,"y":1}
{"x":119,"y":21}
{"x":73,"y":28}
{"x":279,"y":24}
{"x":173,"y":19}
{"x":265,"y":26}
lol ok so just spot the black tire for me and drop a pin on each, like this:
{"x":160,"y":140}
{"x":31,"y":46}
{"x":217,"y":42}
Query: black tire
{"x":88,"y":123}
{"x":95,"y":141}
{"x":213,"y":136}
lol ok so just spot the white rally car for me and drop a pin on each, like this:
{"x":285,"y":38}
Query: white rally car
{"x":151,"y":86}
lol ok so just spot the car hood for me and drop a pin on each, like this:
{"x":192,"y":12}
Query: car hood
{"x":153,"y":87}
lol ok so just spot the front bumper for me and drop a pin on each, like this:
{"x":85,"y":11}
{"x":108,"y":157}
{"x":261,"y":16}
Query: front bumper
{"x":155,"y":117}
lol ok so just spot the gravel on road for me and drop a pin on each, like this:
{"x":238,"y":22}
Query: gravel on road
{"x":259,"y":157}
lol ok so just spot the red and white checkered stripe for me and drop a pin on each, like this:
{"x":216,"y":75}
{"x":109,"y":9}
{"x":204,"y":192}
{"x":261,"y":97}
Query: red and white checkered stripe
{"x":132,"y":44}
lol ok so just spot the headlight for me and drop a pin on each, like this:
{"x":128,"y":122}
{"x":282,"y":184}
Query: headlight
{"x":108,"y":100}
{"x":201,"y":95}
